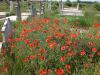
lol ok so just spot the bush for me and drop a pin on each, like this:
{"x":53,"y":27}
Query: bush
{"x":9,"y":14}
{"x":1,"y":24}
{"x":68,"y":3}
{"x":97,"y":6}
{"x":81,"y":22}
{"x":55,"y":6}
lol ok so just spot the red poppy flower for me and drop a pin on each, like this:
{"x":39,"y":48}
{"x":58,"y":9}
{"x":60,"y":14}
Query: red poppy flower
{"x":63,"y":59}
{"x":26,"y":60}
{"x":98,"y":37}
{"x":40,"y":50}
{"x":68,"y":66}
{"x":91,"y":44}
{"x":24,"y":22}
{"x":94,"y":49}
{"x":43,"y":72}
{"x":68,"y":42}
{"x":51,"y":45}
{"x":89,"y":35}
{"x":97,"y":25}
{"x":63,"y":48}
{"x":98,"y":53}
{"x":61,"y":35}
{"x":5,"y":68}
{"x":69,"y":54}
{"x":45,"y":31}
{"x":18,"y":39}
{"x":27,"y":41}
{"x":43,"y":58}
{"x":60,"y":71}
{"x":73,"y":35}
{"x":83,"y":53}
{"x":31,"y":57}
{"x":31,"y":45}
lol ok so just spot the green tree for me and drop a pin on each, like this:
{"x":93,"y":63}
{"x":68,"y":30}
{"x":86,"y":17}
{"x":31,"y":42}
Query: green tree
{"x":78,"y":1}
{"x":68,"y":3}
{"x":97,"y":6}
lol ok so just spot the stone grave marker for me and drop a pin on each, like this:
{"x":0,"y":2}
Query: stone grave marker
{"x":6,"y":30}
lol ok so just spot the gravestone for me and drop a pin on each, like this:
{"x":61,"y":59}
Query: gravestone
{"x":33,"y":11}
{"x":6,"y":30}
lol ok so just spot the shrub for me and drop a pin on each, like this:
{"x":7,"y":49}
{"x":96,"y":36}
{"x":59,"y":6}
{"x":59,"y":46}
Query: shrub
{"x":1,"y":24}
{"x":81,"y":22}
{"x":9,"y":14}
{"x":55,"y":6}
{"x":97,"y":6}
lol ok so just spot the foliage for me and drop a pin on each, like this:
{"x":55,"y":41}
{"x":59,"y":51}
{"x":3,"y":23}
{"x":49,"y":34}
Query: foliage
{"x":68,"y":3}
{"x":55,"y":6}
{"x":4,"y":7}
{"x":1,"y":24}
{"x":9,"y":14}
{"x":97,"y":6}
{"x":81,"y":22}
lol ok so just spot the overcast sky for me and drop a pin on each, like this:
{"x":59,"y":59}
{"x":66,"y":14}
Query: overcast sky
{"x":80,"y":0}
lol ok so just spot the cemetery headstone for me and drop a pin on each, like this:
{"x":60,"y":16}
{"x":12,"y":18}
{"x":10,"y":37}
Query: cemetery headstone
{"x":6,"y":30}
{"x":33,"y":11}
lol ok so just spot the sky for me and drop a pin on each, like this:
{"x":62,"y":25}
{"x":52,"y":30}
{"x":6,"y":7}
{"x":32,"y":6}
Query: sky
{"x":80,"y":0}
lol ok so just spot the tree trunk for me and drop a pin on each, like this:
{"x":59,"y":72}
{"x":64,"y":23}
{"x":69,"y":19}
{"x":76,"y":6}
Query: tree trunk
{"x":18,"y":11}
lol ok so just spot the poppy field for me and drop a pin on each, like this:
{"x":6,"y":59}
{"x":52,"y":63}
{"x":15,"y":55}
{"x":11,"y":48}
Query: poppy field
{"x":46,"y":46}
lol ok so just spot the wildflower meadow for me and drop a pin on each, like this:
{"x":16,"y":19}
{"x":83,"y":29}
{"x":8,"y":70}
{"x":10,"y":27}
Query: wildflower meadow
{"x":46,"y":46}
